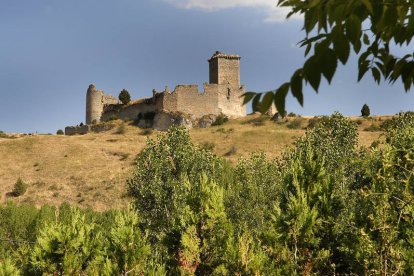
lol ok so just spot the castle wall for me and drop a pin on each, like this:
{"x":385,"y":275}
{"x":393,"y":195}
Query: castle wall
{"x":187,"y":99}
{"x":221,"y":95}
{"x":230,"y":102}
{"x":109,"y":99}
{"x":96,"y":100}
{"x":131,"y":111}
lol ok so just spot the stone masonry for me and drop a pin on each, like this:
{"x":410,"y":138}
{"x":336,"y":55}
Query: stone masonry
{"x":222,"y":95}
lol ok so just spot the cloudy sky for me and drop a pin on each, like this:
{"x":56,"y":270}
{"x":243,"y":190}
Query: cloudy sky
{"x":51,"y":50}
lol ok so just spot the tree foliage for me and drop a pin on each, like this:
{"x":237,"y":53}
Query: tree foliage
{"x":333,"y":30}
{"x":365,"y":111}
{"x":324,"y":208}
{"x":124,"y":96}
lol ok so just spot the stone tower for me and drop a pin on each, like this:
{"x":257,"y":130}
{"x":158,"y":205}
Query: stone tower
{"x":94,"y":104}
{"x":225,"y":69}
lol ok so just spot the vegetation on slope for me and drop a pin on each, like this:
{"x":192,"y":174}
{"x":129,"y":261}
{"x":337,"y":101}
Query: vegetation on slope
{"x":325,"y":207}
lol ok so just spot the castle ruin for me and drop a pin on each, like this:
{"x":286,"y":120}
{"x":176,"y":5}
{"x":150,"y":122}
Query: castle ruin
{"x":222,"y":95}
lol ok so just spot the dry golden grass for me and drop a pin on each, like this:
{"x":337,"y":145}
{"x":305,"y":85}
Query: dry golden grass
{"x":92,"y":170}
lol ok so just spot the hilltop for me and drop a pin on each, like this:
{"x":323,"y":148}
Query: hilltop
{"x":91,"y":170}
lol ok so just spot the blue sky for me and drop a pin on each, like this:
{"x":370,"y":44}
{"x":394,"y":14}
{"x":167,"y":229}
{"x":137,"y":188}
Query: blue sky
{"x":51,"y":50}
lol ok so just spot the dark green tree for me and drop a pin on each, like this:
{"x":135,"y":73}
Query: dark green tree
{"x":365,"y":112}
{"x":124,"y":96}
{"x":334,"y":29}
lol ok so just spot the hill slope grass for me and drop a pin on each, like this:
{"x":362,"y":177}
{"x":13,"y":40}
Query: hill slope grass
{"x":92,"y":170}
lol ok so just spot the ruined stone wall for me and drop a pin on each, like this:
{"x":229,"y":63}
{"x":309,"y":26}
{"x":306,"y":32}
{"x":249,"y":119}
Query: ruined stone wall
{"x":74,"y":130}
{"x":96,"y":100}
{"x":230,"y":102}
{"x":221,"y":95}
{"x":131,"y":111}
{"x":187,"y":99}
{"x":109,"y":99}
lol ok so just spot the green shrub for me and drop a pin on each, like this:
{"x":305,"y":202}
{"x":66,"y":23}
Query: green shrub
{"x":259,"y":121}
{"x":291,"y":114}
{"x":313,"y":122}
{"x":220,"y":120}
{"x":60,"y":132}
{"x":295,"y":124}
{"x":373,"y":127}
{"x":113,"y":117}
{"x":208,"y":146}
{"x":121,"y":129}
{"x":147,"y":131}
{"x":365,"y":112}
{"x":7,"y":267}
{"x":124,"y":96}
{"x":231,"y":151}
{"x":19,"y":188}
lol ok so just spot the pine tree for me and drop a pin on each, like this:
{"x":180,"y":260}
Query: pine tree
{"x":365,"y":112}
{"x":124,"y":96}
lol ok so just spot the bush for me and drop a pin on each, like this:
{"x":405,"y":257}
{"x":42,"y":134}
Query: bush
{"x":373,"y":127}
{"x":113,"y":117}
{"x":60,"y":132}
{"x":259,"y":121}
{"x":295,"y":124}
{"x":20,"y":188}
{"x":313,"y":122}
{"x":147,"y":131}
{"x":124,"y":96}
{"x":121,"y":129}
{"x":231,"y":151}
{"x":221,"y":119}
{"x":291,"y":114}
{"x":208,"y":146}
{"x":365,"y":112}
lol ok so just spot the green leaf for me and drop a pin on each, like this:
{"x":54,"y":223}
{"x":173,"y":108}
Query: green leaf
{"x":329,"y":63}
{"x":357,"y":46}
{"x":362,"y":69}
{"x":296,"y":86}
{"x":308,"y":48}
{"x":312,"y":72}
{"x":353,"y":28}
{"x":376,"y":74}
{"x":368,"y":5}
{"x":366,"y":39}
{"x":256,"y":102}
{"x":341,"y":47}
{"x":280,"y":98}
{"x":248,"y":96}
{"x":266,"y":102}
{"x":311,"y":18}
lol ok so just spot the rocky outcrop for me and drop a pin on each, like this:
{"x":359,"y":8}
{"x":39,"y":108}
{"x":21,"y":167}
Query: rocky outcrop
{"x":206,"y":121}
{"x":163,"y":120}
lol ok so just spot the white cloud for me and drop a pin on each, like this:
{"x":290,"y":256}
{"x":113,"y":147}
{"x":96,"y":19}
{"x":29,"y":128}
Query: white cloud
{"x":269,"y":7}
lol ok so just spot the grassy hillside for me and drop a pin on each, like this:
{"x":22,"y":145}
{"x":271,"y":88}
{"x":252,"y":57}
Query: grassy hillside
{"x":91,"y":170}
